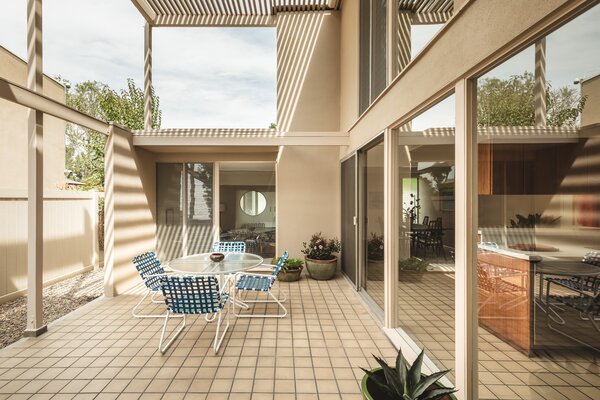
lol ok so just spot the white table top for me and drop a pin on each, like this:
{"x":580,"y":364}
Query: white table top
{"x":202,"y":264}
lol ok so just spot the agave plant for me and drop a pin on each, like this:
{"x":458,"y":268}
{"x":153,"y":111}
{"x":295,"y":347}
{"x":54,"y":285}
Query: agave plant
{"x":405,"y":382}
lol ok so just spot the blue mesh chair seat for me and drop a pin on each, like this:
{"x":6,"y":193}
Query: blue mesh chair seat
{"x":246,"y":282}
{"x":192,"y":295}
{"x":255,"y":282}
{"x":229,"y":247}
{"x":149,"y":267}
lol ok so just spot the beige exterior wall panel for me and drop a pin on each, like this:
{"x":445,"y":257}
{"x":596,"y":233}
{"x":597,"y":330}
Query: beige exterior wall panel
{"x":308,"y":196}
{"x":308,"y":62}
{"x":131,"y":224}
{"x":349,"y":65}
{"x":13,"y":132}
{"x":590,"y":88}
{"x":469,"y":41}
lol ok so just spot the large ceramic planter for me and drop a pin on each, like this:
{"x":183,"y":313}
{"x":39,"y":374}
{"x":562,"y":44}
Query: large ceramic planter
{"x":321,"y":269}
{"x":370,"y":391}
{"x":290,"y":275}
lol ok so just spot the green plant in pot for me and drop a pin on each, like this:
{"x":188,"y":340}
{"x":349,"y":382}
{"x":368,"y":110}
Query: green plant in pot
{"x":411,"y":269}
{"x":291,"y":269}
{"x":404,"y":382}
{"x":375,"y":247}
{"x":321,"y":263}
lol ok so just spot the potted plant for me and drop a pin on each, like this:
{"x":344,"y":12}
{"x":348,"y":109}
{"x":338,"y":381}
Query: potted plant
{"x":375,"y":247}
{"x":291,"y":269}
{"x":411,"y":269}
{"x":375,"y":257}
{"x":403,"y":382}
{"x":320,"y":261}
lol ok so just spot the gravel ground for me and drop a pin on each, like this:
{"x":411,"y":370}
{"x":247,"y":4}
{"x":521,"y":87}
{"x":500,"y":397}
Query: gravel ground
{"x":59,"y":299}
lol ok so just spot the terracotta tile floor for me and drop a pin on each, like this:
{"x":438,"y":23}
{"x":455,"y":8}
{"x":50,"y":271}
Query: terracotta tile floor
{"x":426,"y":312}
{"x":101,"y":352}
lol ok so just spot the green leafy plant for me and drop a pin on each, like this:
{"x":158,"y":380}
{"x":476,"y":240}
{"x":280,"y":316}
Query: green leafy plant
{"x":406,"y":382}
{"x":375,"y":247}
{"x":291,"y":264}
{"x":411,"y":210}
{"x":532,"y":220}
{"x":413,"y":264}
{"x":320,"y":248}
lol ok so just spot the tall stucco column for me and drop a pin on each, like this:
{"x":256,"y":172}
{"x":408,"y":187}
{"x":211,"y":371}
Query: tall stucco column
{"x":466,"y":334}
{"x":35,"y":176}
{"x":147,"y":76}
{"x":539,"y":88}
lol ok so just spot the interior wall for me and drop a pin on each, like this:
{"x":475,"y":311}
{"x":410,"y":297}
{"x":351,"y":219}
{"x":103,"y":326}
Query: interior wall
{"x":308,"y":62}
{"x":308,"y":196}
{"x":130,"y":210}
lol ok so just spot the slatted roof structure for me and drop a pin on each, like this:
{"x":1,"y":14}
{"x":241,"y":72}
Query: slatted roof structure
{"x":224,"y":12}
{"x":427,"y":6}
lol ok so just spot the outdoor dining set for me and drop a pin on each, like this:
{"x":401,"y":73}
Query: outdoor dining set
{"x":208,"y":283}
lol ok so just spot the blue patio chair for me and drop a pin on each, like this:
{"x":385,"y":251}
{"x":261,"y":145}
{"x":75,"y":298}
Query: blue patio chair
{"x":247,"y":282}
{"x":229,"y":247}
{"x":192,"y":295}
{"x":149,"y":267}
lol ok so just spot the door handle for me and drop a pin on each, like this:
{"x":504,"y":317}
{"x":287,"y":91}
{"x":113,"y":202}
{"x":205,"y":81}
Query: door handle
{"x":354,"y":221}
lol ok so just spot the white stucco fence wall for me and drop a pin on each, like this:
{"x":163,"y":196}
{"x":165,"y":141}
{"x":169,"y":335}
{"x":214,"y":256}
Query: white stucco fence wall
{"x":70,"y":238}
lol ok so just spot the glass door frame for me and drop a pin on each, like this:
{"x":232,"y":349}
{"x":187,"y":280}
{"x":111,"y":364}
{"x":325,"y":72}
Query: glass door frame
{"x":353,"y":155}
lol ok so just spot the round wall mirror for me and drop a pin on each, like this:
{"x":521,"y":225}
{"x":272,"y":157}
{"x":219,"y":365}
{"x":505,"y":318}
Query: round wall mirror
{"x":253,"y":203}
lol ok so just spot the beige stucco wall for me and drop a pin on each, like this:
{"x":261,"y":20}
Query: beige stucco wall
{"x":468,"y":42}
{"x":308,"y":62}
{"x":13,"y":132}
{"x":130,"y":228}
{"x":349,"y":65}
{"x":590,"y":88}
{"x":308,"y":195}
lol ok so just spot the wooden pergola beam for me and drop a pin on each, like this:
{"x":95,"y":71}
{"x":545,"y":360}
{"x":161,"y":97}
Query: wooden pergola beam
{"x":215,"y":21}
{"x":431,"y":18}
{"x":26,"y":97}
{"x":146,"y":10}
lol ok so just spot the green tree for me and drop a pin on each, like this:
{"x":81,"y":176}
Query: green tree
{"x":85,"y":147}
{"x":511,"y":102}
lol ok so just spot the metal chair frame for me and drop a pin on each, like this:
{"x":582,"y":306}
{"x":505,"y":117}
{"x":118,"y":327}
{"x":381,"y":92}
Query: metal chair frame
{"x":193,"y":295}
{"x":149,"y":267}
{"x":272,"y":282}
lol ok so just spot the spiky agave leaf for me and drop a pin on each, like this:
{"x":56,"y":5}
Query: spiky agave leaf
{"x":414,"y":374}
{"x":395,"y":384}
{"x":380,"y":382}
{"x":401,"y":372}
{"x":436,"y":394}
{"x":428,"y":381}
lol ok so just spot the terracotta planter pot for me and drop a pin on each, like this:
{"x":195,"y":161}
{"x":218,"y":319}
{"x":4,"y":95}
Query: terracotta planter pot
{"x":321,"y":269}
{"x":290,"y":275}
{"x":370,"y":391}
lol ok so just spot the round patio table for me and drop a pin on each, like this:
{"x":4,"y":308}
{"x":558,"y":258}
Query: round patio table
{"x":201,"y":264}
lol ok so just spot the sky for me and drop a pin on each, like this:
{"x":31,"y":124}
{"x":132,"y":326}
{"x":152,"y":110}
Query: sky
{"x":204,"y":77}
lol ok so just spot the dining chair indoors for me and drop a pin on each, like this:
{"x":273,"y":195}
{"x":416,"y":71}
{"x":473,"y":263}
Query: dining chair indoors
{"x":149,"y":267}
{"x":192,"y":295}
{"x":229,"y":247}
{"x":250,"y":282}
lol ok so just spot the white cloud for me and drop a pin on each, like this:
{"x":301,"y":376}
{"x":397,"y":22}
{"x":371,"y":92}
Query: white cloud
{"x":205,"y":77}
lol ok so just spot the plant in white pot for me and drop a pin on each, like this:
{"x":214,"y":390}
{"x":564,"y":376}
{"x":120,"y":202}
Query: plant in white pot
{"x":321,"y":263}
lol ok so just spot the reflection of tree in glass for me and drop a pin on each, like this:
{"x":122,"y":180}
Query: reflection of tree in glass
{"x":511,"y":102}
{"x":436,"y":176}
{"x":204,"y":174}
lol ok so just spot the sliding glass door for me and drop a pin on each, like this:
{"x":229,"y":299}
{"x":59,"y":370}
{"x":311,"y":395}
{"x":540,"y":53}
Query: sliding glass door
{"x":349,"y":219}
{"x":184,"y":208}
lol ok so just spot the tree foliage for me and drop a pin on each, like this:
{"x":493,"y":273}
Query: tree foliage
{"x":85,"y":147}
{"x":511,"y":102}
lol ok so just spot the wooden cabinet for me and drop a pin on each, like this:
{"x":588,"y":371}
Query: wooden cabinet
{"x":514,"y":169}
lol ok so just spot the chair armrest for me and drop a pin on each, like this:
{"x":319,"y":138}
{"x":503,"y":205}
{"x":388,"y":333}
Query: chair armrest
{"x":250,"y":274}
